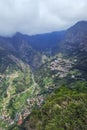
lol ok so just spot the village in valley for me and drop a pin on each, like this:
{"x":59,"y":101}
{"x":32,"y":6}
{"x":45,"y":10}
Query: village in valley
{"x":61,"y":66}
{"x":21,"y":115}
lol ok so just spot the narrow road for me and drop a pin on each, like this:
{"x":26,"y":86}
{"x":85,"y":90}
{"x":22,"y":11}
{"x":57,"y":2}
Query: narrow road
{"x":33,"y":87}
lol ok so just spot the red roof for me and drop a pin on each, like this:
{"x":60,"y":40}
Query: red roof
{"x":20,"y":121}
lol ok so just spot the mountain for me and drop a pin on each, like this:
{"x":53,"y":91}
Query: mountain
{"x":42,"y":42}
{"x":75,"y":44}
{"x":33,"y":68}
{"x":21,"y":49}
{"x":30,"y":49}
{"x":76,"y":37}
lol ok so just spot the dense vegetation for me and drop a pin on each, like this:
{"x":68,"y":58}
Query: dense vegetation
{"x":65,"y":109}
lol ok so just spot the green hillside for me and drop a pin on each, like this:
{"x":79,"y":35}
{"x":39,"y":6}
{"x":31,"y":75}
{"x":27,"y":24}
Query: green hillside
{"x":16,"y":86}
{"x":64,"y":109}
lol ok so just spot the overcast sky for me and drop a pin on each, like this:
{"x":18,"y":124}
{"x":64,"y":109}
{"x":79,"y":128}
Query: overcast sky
{"x":40,"y":16}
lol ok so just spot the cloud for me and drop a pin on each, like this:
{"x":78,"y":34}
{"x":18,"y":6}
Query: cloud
{"x":40,"y":16}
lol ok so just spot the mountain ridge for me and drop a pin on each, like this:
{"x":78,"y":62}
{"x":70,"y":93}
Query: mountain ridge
{"x":33,"y":67}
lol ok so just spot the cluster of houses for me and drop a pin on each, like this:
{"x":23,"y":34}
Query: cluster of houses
{"x":6,"y":118}
{"x":31,"y":102}
{"x":38,"y":100}
{"x":20,"y":116}
{"x":61,"y":66}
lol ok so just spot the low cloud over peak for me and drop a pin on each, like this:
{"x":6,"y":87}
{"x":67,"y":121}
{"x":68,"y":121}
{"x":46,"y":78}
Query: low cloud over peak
{"x":40,"y":16}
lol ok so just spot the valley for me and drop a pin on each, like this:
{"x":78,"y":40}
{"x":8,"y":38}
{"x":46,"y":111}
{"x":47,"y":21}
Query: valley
{"x":43,"y":80}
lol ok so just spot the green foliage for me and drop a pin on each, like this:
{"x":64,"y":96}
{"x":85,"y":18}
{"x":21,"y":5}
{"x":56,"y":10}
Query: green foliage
{"x":3,"y":86}
{"x":15,"y":87}
{"x":81,"y":86}
{"x":66,"y":109}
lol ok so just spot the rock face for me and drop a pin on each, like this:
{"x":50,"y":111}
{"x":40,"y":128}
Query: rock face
{"x":23,"y":52}
{"x":76,"y":38}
